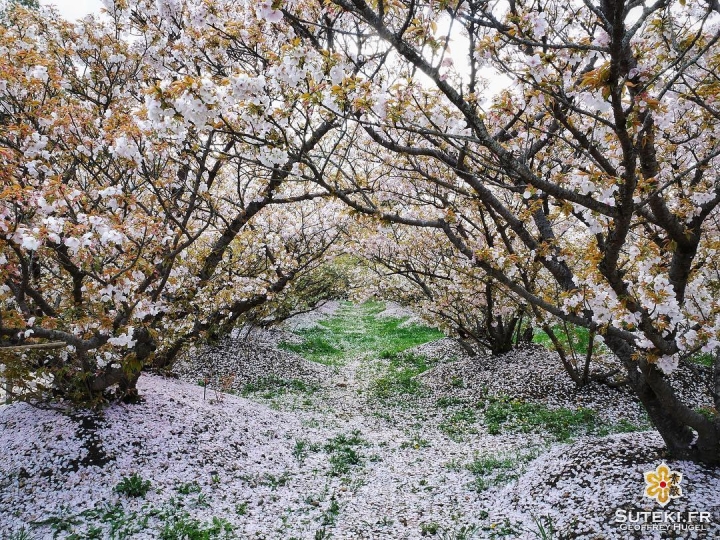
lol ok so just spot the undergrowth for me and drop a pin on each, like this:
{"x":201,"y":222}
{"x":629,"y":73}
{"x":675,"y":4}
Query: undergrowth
{"x":493,"y":470}
{"x":401,"y":375}
{"x":273,"y":386}
{"x":344,"y":452}
{"x":563,"y":425}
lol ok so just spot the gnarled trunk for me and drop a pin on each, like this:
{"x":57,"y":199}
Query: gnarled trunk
{"x":78,"y":381}
{"x":687,"y":433}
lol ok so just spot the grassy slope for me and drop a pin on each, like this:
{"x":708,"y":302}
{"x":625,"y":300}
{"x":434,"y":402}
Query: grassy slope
{"x":356,"y":330}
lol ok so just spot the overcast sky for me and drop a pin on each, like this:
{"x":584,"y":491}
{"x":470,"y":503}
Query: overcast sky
{"x":73,"y":9}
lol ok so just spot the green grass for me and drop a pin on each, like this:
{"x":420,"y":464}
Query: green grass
{"x":22,"y":534}
{"x":61,"y":522}
{"x":133,"y":486}
{"x":416,"y":442}
{"x":708,"y":412}
{"x":241,"y":509}
{"x":704,"y":359}
{"x":317,"y":345}
{"x":300,"y":450}
{"x":356,"y":330}
{"x":429,"y":529}
{"x":577,"y":336}
{"x":504,"y":529}
{"x":517,"y":415}
{"x":272,"y":386}
{"x":563,"y":425}
{"x":331,"y":514}
{"x":493,"y":470}
{"x":112,"y":521}
{"x":449,"y":401}
{"x":106,"y":521}
{"x":464,"y":532}
{"x":182,"y":527}
{"x":190,"y":487}
{"x":623,"y":426}
{"x":459,"y":423}
{"x":545,"y":527}
{"x":274,"y":481}
{"x":401,"y":376}
{"x":344,"y":453}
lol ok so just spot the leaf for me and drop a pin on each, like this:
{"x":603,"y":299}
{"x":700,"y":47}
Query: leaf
{"x":597,"y":77}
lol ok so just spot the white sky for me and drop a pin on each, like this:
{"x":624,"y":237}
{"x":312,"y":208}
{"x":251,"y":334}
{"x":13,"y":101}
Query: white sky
{"x":74,"y":9}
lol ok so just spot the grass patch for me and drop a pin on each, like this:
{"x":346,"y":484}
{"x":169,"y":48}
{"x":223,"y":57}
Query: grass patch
{"x":400,"y":377}
{"x":330,"y":515}
{"x":464,"y":532}
{"x":317,"y":345}
{"x":429,"y":529}
{"x":708,"y":412}
{"x":449,"y":401}
{"x":453,"y":465}
{"x":22,"y":534}
{"x":517,"y":415}
{"x":623,"y":426}
{"x":133,"y":486}
{"x":188,"y":488}
{"x":106,"y":521}
{"x":182,"y":527}
{"x":272,"y":386}
{"x":415,"y":442}
{"x":545,"y":527}
{"x":514,"y":415}
{"x":493,"y":470}
{"x":703,"y":359}
{"x":576,"y":338}
{"x":356,"y":330}
{"x":274,"y":481}
{"x":300,"y":450}
{"x":113,"y":521}
{"x":504,"y":529}
{"x":459,"y":423}
{"x":119,"y":524}
{"x":344,"y":452}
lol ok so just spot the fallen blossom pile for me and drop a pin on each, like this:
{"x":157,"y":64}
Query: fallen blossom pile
{"x":534,"y":373}
{"x":237,"y":361}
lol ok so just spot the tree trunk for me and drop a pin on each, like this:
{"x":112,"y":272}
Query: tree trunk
{"x":86,"y":385}
{"x":687,"y":434}
{"x":501,"y":336}
{"x":126,"y":381}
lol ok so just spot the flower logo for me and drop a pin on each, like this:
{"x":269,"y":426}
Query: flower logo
{"x":662,"y":484}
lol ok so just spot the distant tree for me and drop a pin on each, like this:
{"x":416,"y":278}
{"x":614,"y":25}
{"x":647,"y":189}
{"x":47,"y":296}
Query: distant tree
{"x":420,"y":269}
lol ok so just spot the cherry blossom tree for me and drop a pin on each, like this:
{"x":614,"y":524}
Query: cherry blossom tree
{"x":7,"y":5}
{"x":151,"y":188}
{"x":420,"y":268}
{"x":598,"y":160}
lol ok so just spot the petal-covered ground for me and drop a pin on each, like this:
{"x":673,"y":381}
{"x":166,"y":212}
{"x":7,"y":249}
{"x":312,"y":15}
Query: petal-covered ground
{"x":363,"y":442}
